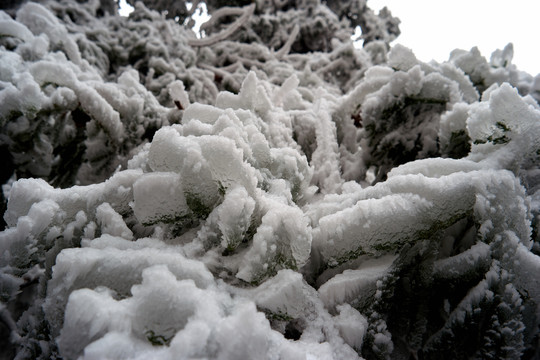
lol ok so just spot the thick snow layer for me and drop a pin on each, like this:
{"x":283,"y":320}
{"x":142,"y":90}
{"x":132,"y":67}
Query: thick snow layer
{"x":266,"y":192}
{"x":355,"y":286}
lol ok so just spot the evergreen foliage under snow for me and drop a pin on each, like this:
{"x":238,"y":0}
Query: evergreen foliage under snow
{"x":267,"y":191}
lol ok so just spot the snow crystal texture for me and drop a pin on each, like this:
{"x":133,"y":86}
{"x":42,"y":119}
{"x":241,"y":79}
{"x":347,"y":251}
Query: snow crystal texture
{"x":266,"y":191}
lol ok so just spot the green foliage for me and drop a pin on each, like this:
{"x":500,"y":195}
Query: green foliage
{"x":459,"y":145}
{"x":278,"y":262}
{"x":496,"y":139}
{"x":396,"y":134}
{"x":277,"y":316}
{"x":197,"y":206}
{"x":156,"y":339}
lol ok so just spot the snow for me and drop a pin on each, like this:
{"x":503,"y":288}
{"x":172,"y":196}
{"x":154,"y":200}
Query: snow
{"x":352,"y":325}
{"x":9,"y":27}
{"x":159,"y":196}
{"x":234,"y":217}
{"x":111,"y":222}
{"x":178,"y":93}
{"x":354,"y":286}
{"x":458,"y":265}
{"x":39,"y":20}
{"x":268,"y":191}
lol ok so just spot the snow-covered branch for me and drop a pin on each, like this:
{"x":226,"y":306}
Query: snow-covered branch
{"x":244,"y":13}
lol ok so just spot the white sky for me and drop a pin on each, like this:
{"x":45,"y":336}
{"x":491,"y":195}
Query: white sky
{"x":432,"y":29}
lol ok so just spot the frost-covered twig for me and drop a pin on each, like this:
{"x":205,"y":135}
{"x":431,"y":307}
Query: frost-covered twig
{"x":336,"y":64}
{"x":287,"y":47}
{"x":221,"y":13}
{"x":280,"y":3}
{"x":7,"y":320}
{"x":222,"y":71}
{"x":246,"y":13}
{"x":12,"y":28}
{"x":194,"y":6}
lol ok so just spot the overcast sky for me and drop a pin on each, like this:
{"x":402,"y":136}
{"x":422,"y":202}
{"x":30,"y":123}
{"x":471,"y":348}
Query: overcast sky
{"x":432,"y":29}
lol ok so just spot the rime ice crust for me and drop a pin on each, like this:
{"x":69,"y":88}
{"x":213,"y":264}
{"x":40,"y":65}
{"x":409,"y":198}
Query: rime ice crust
{"x":335,"y":205}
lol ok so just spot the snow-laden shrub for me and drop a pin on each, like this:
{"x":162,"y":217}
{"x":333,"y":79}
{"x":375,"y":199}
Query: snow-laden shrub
{"x":61,"y":120}
{"x":252,"y":194}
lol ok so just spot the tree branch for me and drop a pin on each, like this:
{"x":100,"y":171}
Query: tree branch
{"x":246,"y":13}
